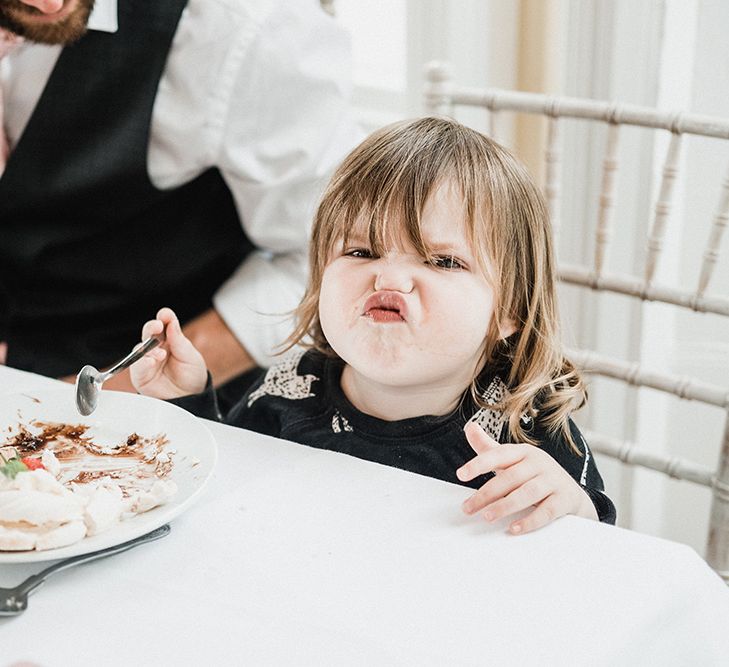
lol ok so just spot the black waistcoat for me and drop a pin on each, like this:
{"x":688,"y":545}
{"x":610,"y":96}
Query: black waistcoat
{"x":89,"y":248}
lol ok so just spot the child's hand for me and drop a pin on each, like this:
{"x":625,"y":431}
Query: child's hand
{"x":525,"y":476}
{"x":172,"y":369}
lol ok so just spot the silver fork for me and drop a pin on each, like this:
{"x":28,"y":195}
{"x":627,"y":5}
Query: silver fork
{"x":14,"y":601}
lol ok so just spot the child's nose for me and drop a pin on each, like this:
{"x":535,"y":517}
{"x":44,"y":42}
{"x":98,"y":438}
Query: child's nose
{"x":394,"y":275}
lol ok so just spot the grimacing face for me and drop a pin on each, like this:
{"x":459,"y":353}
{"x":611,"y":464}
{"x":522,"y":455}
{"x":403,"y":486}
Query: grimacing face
{"x":399,"y":320}
{"x":46,"y":21}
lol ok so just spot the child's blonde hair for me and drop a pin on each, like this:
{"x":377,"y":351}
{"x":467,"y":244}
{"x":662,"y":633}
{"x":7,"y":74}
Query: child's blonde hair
{"x":386,"y":181}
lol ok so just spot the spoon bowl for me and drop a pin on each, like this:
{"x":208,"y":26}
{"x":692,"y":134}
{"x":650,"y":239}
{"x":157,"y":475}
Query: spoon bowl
{"x":87,"y":390}
{"x":90,"y":379}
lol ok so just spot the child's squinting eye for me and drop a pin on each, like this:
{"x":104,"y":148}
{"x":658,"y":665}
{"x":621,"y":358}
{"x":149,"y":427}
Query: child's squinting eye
{"x":362,"y":253}
{"x":446,"y":262}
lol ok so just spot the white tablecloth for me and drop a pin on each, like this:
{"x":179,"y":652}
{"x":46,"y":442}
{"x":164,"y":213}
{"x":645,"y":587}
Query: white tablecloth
{"x":298,"y":556}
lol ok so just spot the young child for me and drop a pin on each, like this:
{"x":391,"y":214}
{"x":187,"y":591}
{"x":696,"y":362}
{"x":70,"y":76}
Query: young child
{"x":431,"y":329}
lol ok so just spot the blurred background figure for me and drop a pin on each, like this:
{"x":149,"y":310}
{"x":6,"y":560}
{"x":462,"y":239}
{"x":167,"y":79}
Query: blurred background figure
{"x":156,"y":157}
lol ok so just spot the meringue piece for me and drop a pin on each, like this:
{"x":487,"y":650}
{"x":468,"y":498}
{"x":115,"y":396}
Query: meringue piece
{"x":161,"y":492}
{"x":62,"y":536}
{"x":24,"y":538}
{"x":39,"y":480}
{"x":104,"y":509}
{"x":38,"y":508}
{"x":50,"y":462}
{"x":16,"y":539}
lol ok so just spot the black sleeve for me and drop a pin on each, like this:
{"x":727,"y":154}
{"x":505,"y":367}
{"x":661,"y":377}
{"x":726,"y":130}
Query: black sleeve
{"x":581,"y":467}
{"x":204,"y":404}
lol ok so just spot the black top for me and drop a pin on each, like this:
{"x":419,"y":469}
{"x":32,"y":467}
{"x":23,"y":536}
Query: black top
{"x":89,"y":248}
{"x":301,"y":399}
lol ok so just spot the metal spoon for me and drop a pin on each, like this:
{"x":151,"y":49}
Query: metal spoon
{"x":89,"y":380}
{"x":14,"y":601}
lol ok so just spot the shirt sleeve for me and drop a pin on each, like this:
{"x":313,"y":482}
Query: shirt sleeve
{"x":204,"y":404}
{"x":591,"y":480}
{"x":287,"y":125}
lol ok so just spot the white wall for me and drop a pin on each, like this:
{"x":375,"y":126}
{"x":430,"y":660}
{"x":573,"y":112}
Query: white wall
{"x":393,"y":39}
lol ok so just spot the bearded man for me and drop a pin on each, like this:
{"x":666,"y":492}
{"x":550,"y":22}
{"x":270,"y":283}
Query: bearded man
{"x":161,"y":153}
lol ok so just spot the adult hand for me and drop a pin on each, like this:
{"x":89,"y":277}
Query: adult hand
{"x":174,"y":368}
{"x":526,"y":476}
{"x":224,"y":356}
{"x":3,"y":352}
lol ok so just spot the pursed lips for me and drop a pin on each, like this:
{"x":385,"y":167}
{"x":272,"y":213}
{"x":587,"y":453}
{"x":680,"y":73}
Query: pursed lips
{"x":385,"y":306}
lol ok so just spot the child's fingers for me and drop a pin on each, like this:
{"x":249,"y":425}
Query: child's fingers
{"x":144,"y":371}
{"x":498,"y":458}
{"x":166,"y":315}
{"x":151,"y":328}
{"x":147,"y":365}
{"x":530,"y":493}
{"x":158,"y":354}
{"x":546,"y":512}
{"x":479,"y":440}
{"x":175,"y":339}
{"x":180,"y":345}
{"x":167,"y":319}
{"x":499,"y":486}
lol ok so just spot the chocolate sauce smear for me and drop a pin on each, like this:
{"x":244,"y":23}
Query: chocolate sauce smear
{"x":134,"y":458}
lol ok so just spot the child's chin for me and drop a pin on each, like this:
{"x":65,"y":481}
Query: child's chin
{"x":389,"y":372}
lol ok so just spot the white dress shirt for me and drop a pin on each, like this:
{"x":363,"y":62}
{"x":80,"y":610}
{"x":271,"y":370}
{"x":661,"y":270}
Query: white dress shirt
{"x":258,"y":88}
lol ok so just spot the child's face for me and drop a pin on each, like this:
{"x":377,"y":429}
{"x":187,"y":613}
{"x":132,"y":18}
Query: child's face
{"x":400,"y":320}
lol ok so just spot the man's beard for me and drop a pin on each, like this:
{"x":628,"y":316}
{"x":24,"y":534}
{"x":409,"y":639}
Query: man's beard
{"x":17,"y":17}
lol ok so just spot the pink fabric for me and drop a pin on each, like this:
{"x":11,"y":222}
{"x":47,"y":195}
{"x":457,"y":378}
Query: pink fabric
{"x":8,"y":41}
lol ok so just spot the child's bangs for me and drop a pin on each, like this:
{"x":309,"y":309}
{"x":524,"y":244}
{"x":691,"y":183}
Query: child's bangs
{"x":384,"y":206}
{"x":379,"y":194}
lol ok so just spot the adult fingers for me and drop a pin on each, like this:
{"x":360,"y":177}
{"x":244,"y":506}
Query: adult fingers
{"x":499,"y":486}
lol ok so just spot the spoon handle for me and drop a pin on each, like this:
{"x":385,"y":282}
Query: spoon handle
{"x":133,"y":356}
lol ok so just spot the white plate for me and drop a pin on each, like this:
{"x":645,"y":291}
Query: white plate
{"x":117,"y":416}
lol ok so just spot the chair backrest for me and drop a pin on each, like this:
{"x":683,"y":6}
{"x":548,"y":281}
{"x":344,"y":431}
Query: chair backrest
{"x":442,"y":95}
